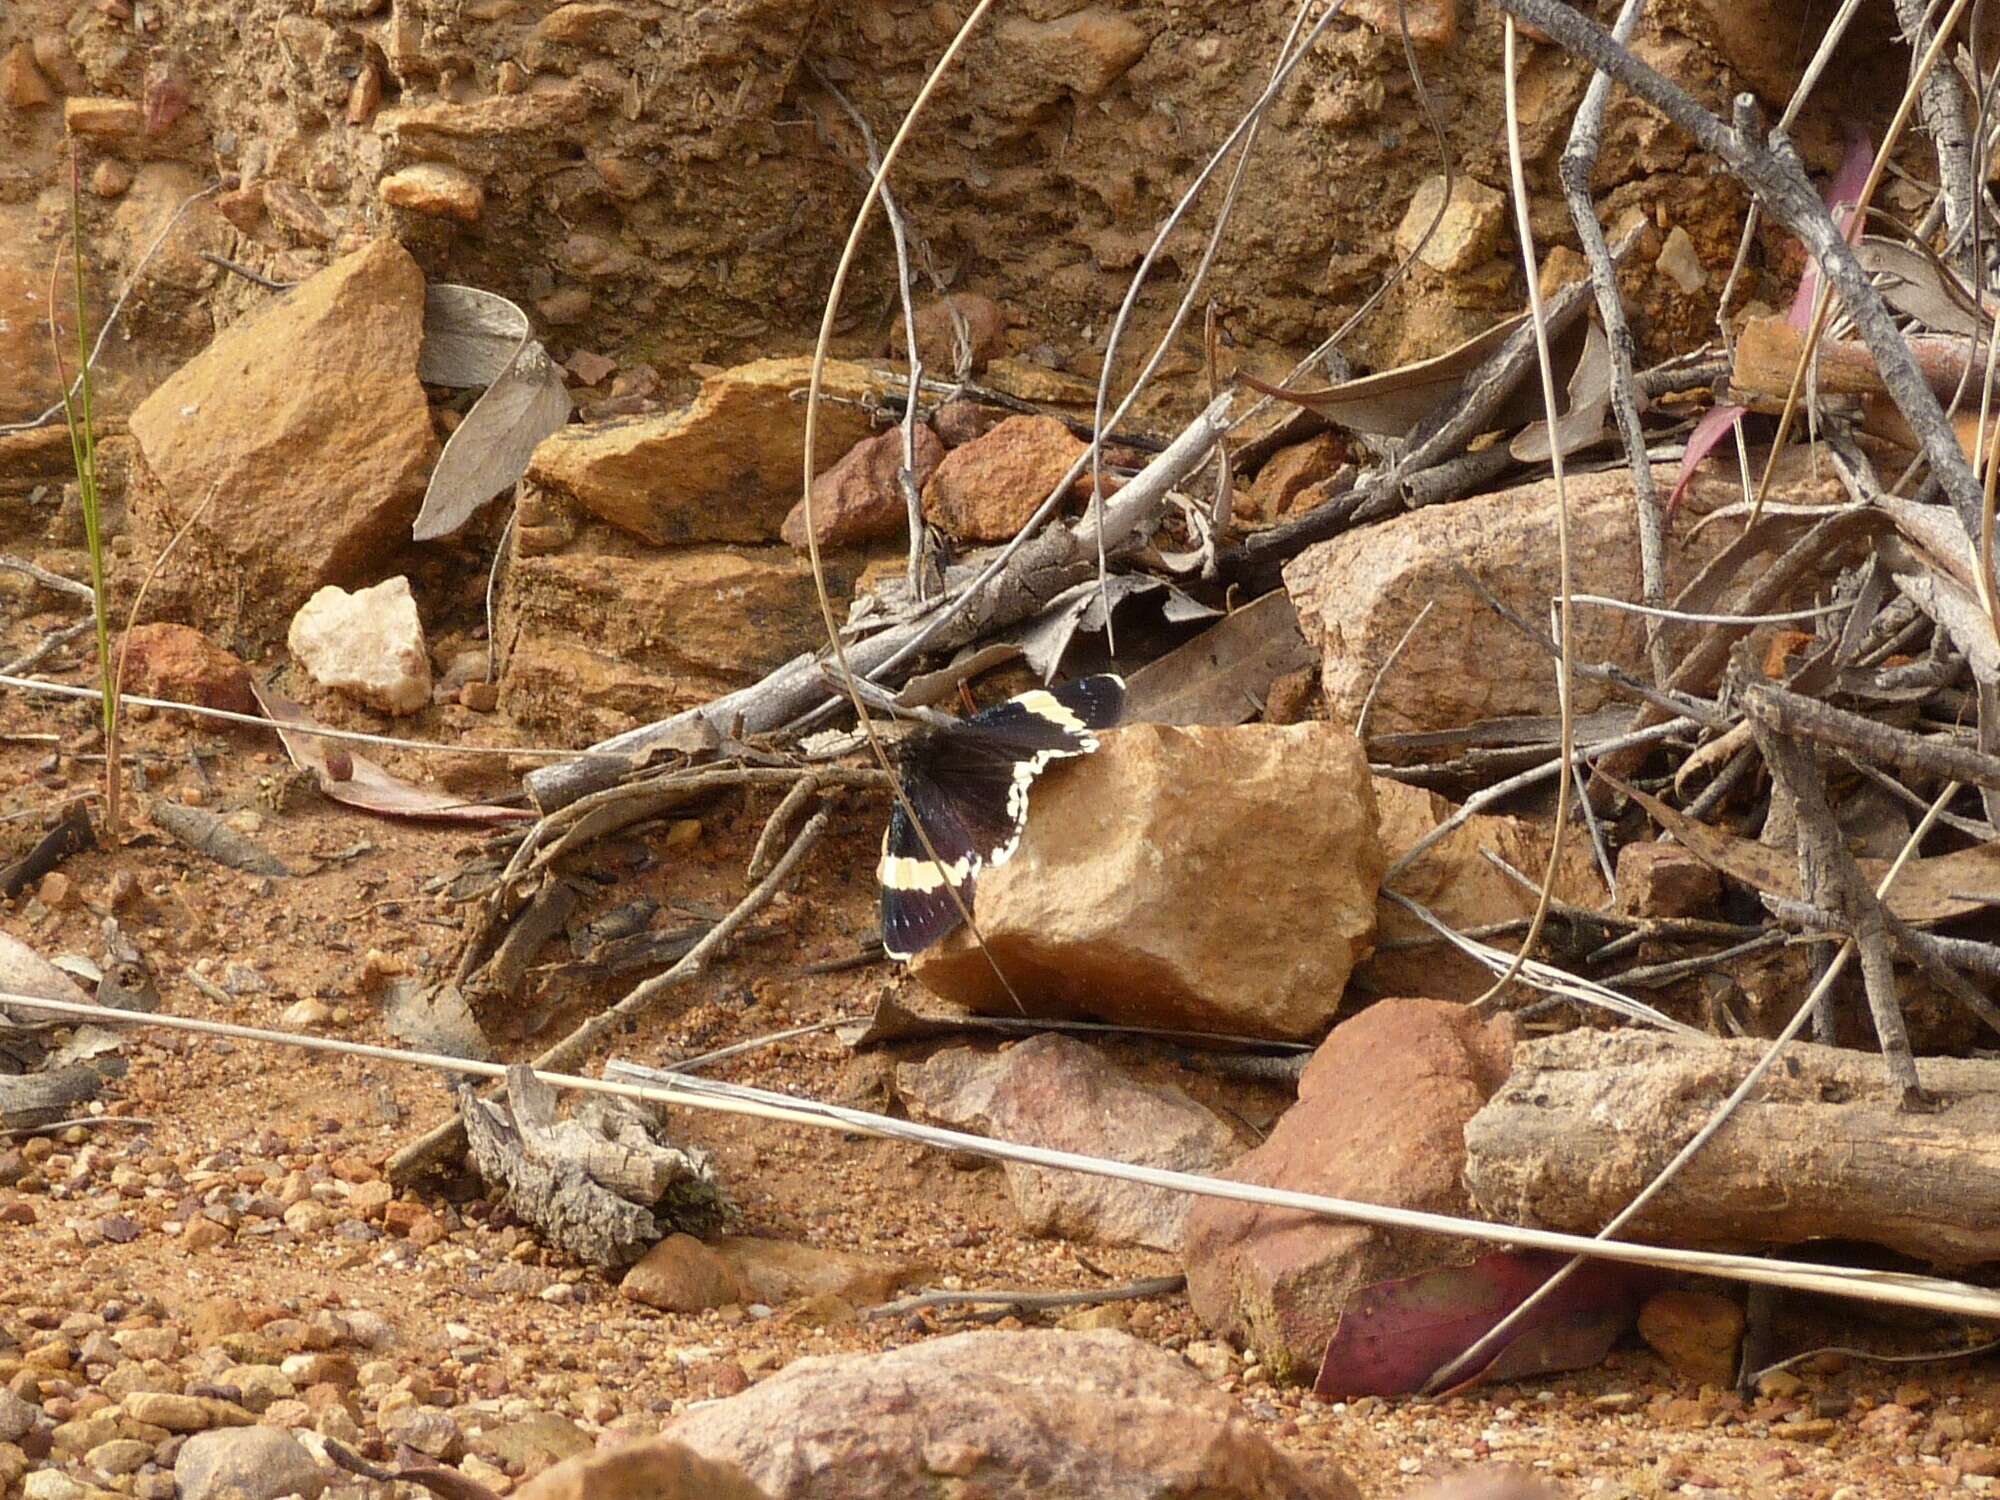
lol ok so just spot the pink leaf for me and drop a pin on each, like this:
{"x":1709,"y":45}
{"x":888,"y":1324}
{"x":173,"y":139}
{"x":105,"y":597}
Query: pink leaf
{"x":1395,"y":1335}
{"x":1843,"y":195}
{"x":1716,"y":424}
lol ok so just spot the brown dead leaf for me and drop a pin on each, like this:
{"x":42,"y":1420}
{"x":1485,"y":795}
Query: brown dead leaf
{"x":1582,"y":421}
{"x":366,"y":785}
{"x":1224,"y":674}
{"x":1392,"y":402}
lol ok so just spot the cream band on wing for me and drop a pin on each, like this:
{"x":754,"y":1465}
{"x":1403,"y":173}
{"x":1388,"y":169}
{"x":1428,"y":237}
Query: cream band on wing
{"x":901,"y":873}
{"x":1047,"y":705}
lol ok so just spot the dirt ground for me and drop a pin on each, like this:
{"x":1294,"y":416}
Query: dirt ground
{"x":482,"y":1314}
{"x":675,"y":204}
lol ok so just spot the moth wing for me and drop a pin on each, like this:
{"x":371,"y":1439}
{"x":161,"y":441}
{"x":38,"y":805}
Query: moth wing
{"x":917,"y":905}
{"x":968,"y":785}
{"x":1061,"y":720}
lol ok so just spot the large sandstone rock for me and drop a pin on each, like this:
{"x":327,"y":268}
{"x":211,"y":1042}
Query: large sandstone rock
{"x":1057,"y":1092}
{"x":1456,"y":880}
{"x":600,"y":634}
{"x":1380,"y":1118}
{"x":1005,"y":1416}
{"x":1217,"y":879}
{"x":725,"y":468}
{"x":1358,"y":594}
{"x":653,"y":1469}
{"x":307,"y":423}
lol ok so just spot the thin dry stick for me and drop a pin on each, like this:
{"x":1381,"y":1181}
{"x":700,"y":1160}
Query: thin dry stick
{"x":1782,"y":617}
{"x":51,"y":643}
{"x":1944,"y":112}
{"x":1368,"y":703}
{"x":54,"y":582}
{"x":425,"y":1152}
{"x":912,"y":500}
{"x":1579,"y":161}
{"x":111,"y":769}
{"x":1873,"y":1357}
{"x":1801,"y":717}
{"x":1547,"y":977}
{"x":1894,"y":1288}
{"x":1547,"y":367}
{"x":1495,"y":1337}
{"x":1992,"y":470}
{"x":1829,"y":877}
{"x":493,"y":597}
{"x":1485,"y":798}
{"x":1029,"y":1301}
{"x":802,"y":791}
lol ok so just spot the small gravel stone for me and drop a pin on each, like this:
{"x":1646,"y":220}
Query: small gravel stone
{"x":16,"y":1417}
{"x":255,"y":1463}
{"x":185,"y":1413}
{"x":51,"y":1484}
{"x":426,"y":1429}
{"x":119,"y":1456}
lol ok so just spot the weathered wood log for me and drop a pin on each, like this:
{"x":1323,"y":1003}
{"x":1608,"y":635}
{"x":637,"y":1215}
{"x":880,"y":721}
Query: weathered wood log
{"x":597,"y":1186}
{"x":1822,"y":1151}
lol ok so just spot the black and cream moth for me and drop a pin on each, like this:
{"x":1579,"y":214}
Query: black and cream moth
{"x":968,"y":784}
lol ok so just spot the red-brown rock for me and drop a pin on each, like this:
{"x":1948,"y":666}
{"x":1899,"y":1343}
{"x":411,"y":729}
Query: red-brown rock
{"x":1287,"y":474}
{"x":1004,"y":1416}
{"x":986,"y":490}
{"x":937,"y":334}
{"x":959,"y":422}
{"x":858,"y":500}
{"x":1698,"y":1334}
{"x":180,"y":663}
{"x":1381,"y":1115}
{"x":681,"y":1274}
{"x":777,"y":1271}
{"x":1057,"y":1092}
{"x":1665,"y":880}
